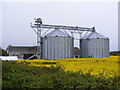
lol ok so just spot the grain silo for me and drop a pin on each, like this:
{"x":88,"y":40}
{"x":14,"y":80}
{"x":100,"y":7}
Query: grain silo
{"x":94,"y":45}
{"x":56,"y":45}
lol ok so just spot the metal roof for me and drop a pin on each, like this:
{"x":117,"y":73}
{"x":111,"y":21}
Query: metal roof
{"x":93,"y":35}
{"x":57,"y":32}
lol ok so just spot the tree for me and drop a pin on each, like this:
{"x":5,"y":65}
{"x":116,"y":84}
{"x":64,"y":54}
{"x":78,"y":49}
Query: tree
{"x":3,"y":52}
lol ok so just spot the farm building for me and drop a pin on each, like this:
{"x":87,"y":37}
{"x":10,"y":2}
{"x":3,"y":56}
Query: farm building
{"x":22,"y":52}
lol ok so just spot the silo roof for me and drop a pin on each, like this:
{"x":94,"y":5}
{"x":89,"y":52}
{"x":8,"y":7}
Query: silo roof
{"x":57,"y":32}
{"x":93,"y":35}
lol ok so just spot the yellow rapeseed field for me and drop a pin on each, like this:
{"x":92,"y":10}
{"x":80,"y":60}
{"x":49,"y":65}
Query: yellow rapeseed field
{"x":95,"y":66}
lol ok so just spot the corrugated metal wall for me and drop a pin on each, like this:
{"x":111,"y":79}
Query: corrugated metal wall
{"x":57,"y":47}
{"x":94,"y":48}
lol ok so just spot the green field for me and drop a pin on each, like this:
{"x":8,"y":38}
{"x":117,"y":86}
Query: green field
{"x":22,"y":75}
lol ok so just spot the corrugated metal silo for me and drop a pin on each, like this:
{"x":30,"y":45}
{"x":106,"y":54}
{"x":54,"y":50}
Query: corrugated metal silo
{"x":56,"y":45}
{"x":94,"y":45}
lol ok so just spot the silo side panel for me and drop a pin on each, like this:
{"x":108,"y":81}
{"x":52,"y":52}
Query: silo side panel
{"x":72,"y":47}
{"x":52,"y":48}
{"x":65,"y":48}
{"x":96,"y":41}
{"x":43,"y":48}
{"x":97,"y":47}
{"x":107,"y":47}
{"x":44,"y":52}
{"x":89,"y":48}
{"x":56,"y":48}
{"x":81,"y":48}
{"x":103,"y":47}
{"x":62,"y":48}
{"x":48,"y":48}
{"x":57,"y":52}
{"x":61,"y":44}
{"x":85,"y":48}
{"x":69,"y":46}
{"x":93,"y":48}
{"x":100,"y":50}
{"x":50,"y":41}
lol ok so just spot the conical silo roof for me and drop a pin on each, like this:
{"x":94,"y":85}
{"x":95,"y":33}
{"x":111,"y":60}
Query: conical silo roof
{"x":57,"y":32}
{"x":93,"y":35}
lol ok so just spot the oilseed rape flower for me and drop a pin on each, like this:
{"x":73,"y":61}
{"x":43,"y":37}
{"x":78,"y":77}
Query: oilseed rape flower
{"x":96,"y":66}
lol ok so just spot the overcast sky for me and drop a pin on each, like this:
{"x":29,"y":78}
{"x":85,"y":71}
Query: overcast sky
{"x":16,"y":18}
